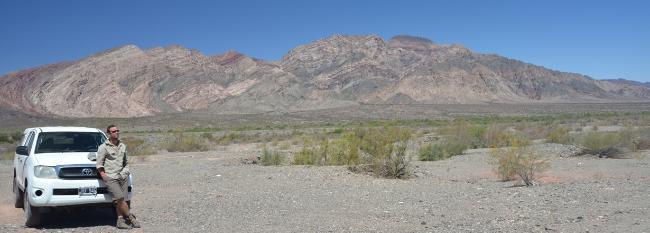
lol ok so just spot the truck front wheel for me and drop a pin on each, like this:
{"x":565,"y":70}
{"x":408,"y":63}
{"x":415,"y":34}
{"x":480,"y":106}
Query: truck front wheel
{"x":32,"y":214}
{"x":18,"y":195}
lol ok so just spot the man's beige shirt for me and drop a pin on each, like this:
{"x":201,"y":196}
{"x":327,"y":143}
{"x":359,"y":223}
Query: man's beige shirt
{"x":113,"y":159}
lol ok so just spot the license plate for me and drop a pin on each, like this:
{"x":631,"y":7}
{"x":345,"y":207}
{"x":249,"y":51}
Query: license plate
{"x":87,"y":191}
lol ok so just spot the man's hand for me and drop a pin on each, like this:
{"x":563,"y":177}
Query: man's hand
{"x":104,"y":176}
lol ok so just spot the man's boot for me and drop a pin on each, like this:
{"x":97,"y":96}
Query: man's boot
{"x":133,"y":221}
{"x":121,"y":224}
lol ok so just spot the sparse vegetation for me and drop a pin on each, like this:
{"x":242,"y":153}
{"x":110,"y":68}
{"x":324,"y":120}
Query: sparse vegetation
{"x":601,"y":144}
{"x":185,"y":143}
{"x":9,"y":153}
{"x":380,"y":151}
{"x":137,"y":146}
{"x":10,"y":138}
{"x":518,"y":161}
{"x":559,"y":135}
{"x":441,"y":150}
{"x":271,"y":158}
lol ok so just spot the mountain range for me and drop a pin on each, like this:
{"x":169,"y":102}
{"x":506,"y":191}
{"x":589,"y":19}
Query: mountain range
{"x":337,"y":71}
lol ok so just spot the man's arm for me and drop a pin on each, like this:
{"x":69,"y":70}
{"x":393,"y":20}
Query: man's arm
{"x":125,"y":169}
{"x":101,"y":158}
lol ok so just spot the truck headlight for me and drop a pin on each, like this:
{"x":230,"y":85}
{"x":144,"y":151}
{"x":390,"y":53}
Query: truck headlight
{"x":45,"y":172}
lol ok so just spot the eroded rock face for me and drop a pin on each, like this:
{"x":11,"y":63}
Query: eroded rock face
{"x":332,"y":72}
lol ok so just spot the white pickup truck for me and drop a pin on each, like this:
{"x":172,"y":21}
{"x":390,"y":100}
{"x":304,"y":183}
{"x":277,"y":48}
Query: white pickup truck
{"x":55,"y":167}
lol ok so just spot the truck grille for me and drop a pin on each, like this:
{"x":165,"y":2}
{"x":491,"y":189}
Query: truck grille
{"x":100,"y":190}
{"x":78,"y":172}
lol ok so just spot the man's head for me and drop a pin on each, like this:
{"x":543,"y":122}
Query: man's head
{"x":113,"y":132}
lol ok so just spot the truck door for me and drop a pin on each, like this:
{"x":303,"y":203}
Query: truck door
{"x":22,"y":159}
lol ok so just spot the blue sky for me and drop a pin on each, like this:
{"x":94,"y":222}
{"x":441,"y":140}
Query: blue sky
{"x":602,"y":39}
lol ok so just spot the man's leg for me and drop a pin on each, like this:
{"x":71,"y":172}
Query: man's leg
{"x":122,"y":208}
{"x":115,"y":189}
{"x":122,"y":217}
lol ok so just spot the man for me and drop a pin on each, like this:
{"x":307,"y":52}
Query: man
{"x":113,"y":167}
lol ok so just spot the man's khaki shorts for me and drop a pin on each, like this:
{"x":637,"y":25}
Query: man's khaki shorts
{"x":119,"y":188}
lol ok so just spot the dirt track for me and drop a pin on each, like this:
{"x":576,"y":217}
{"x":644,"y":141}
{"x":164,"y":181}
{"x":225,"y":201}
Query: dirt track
{"x":214,"y":192}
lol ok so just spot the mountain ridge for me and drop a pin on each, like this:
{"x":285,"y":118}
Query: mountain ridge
{"x":336,"y":71}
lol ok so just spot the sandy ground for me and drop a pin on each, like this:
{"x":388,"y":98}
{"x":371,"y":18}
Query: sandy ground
{"x":215,"y":192}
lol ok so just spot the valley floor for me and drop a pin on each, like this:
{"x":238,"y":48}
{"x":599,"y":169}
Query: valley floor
{"x":214,"y":191}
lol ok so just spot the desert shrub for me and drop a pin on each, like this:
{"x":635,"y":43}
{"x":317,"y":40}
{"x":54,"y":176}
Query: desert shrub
{"x":17,"y":136}
{"x":374,"y":150}
{"x":185,"y":143}
{"x":629,"y":139}
{"x":284,"y":145}
{"x":271,"y":158}
{"x":642,"y":141}
{"x":518,"y":161}
{"x":539,"y":130}
{"x":344,"y":150}
{"x":499,"y":136}
{"x":383,"y":150}
{"x":10,"y":137}
{"x":305,"y":156}
{"x":601,"y":144}
{"x":379,"y":142}
{"x":9,"y":153}
{"x":208,"y":136}
{"x":5,"y":138}
{"x":137,"y":147}
{"x":441,"y":150}
{"x":559,"y":135}
{"x":396,"y":165}
{"x":472,"y":135}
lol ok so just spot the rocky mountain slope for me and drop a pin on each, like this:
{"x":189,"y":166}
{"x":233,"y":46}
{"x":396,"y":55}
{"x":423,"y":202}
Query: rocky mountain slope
{"x":332,"y":72}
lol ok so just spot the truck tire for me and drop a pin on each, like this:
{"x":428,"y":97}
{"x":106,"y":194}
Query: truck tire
{"x":32,"y":214}
{"x":18,"y":195}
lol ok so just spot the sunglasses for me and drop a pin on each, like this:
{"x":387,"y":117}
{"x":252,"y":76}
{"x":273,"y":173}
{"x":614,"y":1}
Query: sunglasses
{"x":114,"y":131}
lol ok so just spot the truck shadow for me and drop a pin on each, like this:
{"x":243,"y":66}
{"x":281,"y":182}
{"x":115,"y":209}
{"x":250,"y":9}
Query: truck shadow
{"x":78,"y":217}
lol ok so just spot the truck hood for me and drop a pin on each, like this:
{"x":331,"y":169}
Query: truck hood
{"x":65,"y":158}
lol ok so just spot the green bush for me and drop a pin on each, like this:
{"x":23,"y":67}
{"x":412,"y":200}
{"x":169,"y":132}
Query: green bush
{"x":472,"y":135}
{"x":185,"y":143}
{"x":137,"y":147}
{"x":642,"y":141}
{"x":208,"y":136}
{"x":385,"y":150}
{"x":271,"y":158}
{"x":344,"y":150}
{"x":17,"y":136}
{"x":499,"y":136}
{"x":9,"y":153}
{"x":306,"y":156}
{"x":441,"y":150}
{"x":396,"y":165}
{"x":375,"y":150}
{"x":518,"y":161}
{"x":4,"y":138}
{"x":340,"y":151}
{"x":559,"y":135}
{"x":601,"y":144}
{"x":10,"y":137}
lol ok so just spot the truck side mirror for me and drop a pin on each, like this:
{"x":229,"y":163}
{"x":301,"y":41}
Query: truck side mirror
{"x":22,"y":150}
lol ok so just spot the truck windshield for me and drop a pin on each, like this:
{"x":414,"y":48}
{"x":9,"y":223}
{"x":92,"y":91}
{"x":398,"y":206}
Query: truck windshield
{"x":53,"y":142}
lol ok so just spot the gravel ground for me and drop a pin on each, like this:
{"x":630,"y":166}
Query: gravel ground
{"x":215,"y":192}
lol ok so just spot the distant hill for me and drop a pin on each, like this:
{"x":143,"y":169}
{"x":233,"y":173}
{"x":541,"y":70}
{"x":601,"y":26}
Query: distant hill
{"x":628,"y":82}
{"x":333,"y":72}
